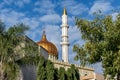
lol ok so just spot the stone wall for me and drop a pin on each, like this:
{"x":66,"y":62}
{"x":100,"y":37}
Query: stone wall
{"x":82,"y":70}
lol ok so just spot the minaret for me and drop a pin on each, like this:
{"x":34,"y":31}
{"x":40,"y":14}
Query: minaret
{"x":64,"y":43}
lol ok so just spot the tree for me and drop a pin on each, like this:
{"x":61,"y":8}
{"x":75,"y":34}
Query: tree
{"x":61,"y":74}
{"x":8,"y":41}
{"x":72,"y":73}
{"x":46,"y":71}
{"x":50,"y":70}
{"x":75,"y":73}
{"x":41,"y":69}
{"x":102,"y":36}
{"x":56,"y":74}
{"x":69,"y":74}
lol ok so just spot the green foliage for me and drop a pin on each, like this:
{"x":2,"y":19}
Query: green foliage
{"x":10,"y":56}
{"x":34,"y":60}
{"x":2,"y":27}
{"x":8,"y":41}
{"x":41,"y":69}
{"x":50,"y":70}
{"x":10,"y":70}
{"x":72,"y":73}
{"x":62,"y":74}
{"x":46,"y":71}
{"x":102,"y":36}
{"x":56,"y":74}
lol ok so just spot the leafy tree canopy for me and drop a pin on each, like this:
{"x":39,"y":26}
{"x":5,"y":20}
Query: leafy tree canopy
{"x":102,"y":36}
{"x":8,"y":41}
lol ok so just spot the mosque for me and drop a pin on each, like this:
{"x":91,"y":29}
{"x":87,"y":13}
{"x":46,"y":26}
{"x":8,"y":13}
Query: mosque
{"x":49,"y":51}
{"x":86,"y":73}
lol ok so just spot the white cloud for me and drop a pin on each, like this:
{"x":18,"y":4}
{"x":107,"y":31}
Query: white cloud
{"x":26,"y":1}
{"x":44,"y":7}
{"x":74,"y":38}
{"x":72,"y":55}
{"x":32,"y":22}
{"x":74,"y":34}
{"x":101,"y":5}
{"x":11,"y":18}
{"x":19,"y":3}
{"x":114,"y":15}
{"x":98,"y":67}
{"x":71,"y":20}
{"x":8,"y":2}
{"x":5,"y":2}
{"x":73,"y":7}
{"x":35,"y":34}
{"x":17,"y":17}
{"x":50,"y":18}
{"x":1,"y":5}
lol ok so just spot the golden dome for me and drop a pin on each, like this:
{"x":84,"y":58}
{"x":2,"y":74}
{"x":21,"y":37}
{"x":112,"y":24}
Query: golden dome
{"x":50,"y":47}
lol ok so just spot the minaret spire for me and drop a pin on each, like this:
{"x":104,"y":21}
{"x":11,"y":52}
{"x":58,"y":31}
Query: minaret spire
{"x":64,"y":42}
{"x":64,"y":11}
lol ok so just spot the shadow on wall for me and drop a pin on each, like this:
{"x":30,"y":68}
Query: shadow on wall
{"x":28,"y":72}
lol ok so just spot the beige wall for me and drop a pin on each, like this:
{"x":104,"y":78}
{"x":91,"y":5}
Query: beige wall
{"x":82,"y":70}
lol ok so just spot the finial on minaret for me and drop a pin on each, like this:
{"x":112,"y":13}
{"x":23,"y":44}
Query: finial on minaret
{"x":64,"y":11}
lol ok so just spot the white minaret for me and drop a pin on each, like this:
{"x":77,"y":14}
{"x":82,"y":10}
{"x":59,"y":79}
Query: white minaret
{"x":64,"y":43}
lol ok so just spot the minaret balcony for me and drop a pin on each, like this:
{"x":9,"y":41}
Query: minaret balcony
{"x":64,"y":36}
{"x":64,"y":43}
{"x":64,"y":25}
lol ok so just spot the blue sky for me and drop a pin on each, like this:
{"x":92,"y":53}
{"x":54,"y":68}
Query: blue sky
{"x":40,"y":14}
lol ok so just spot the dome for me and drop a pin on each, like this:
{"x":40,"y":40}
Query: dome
{"x":50,"y":47}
